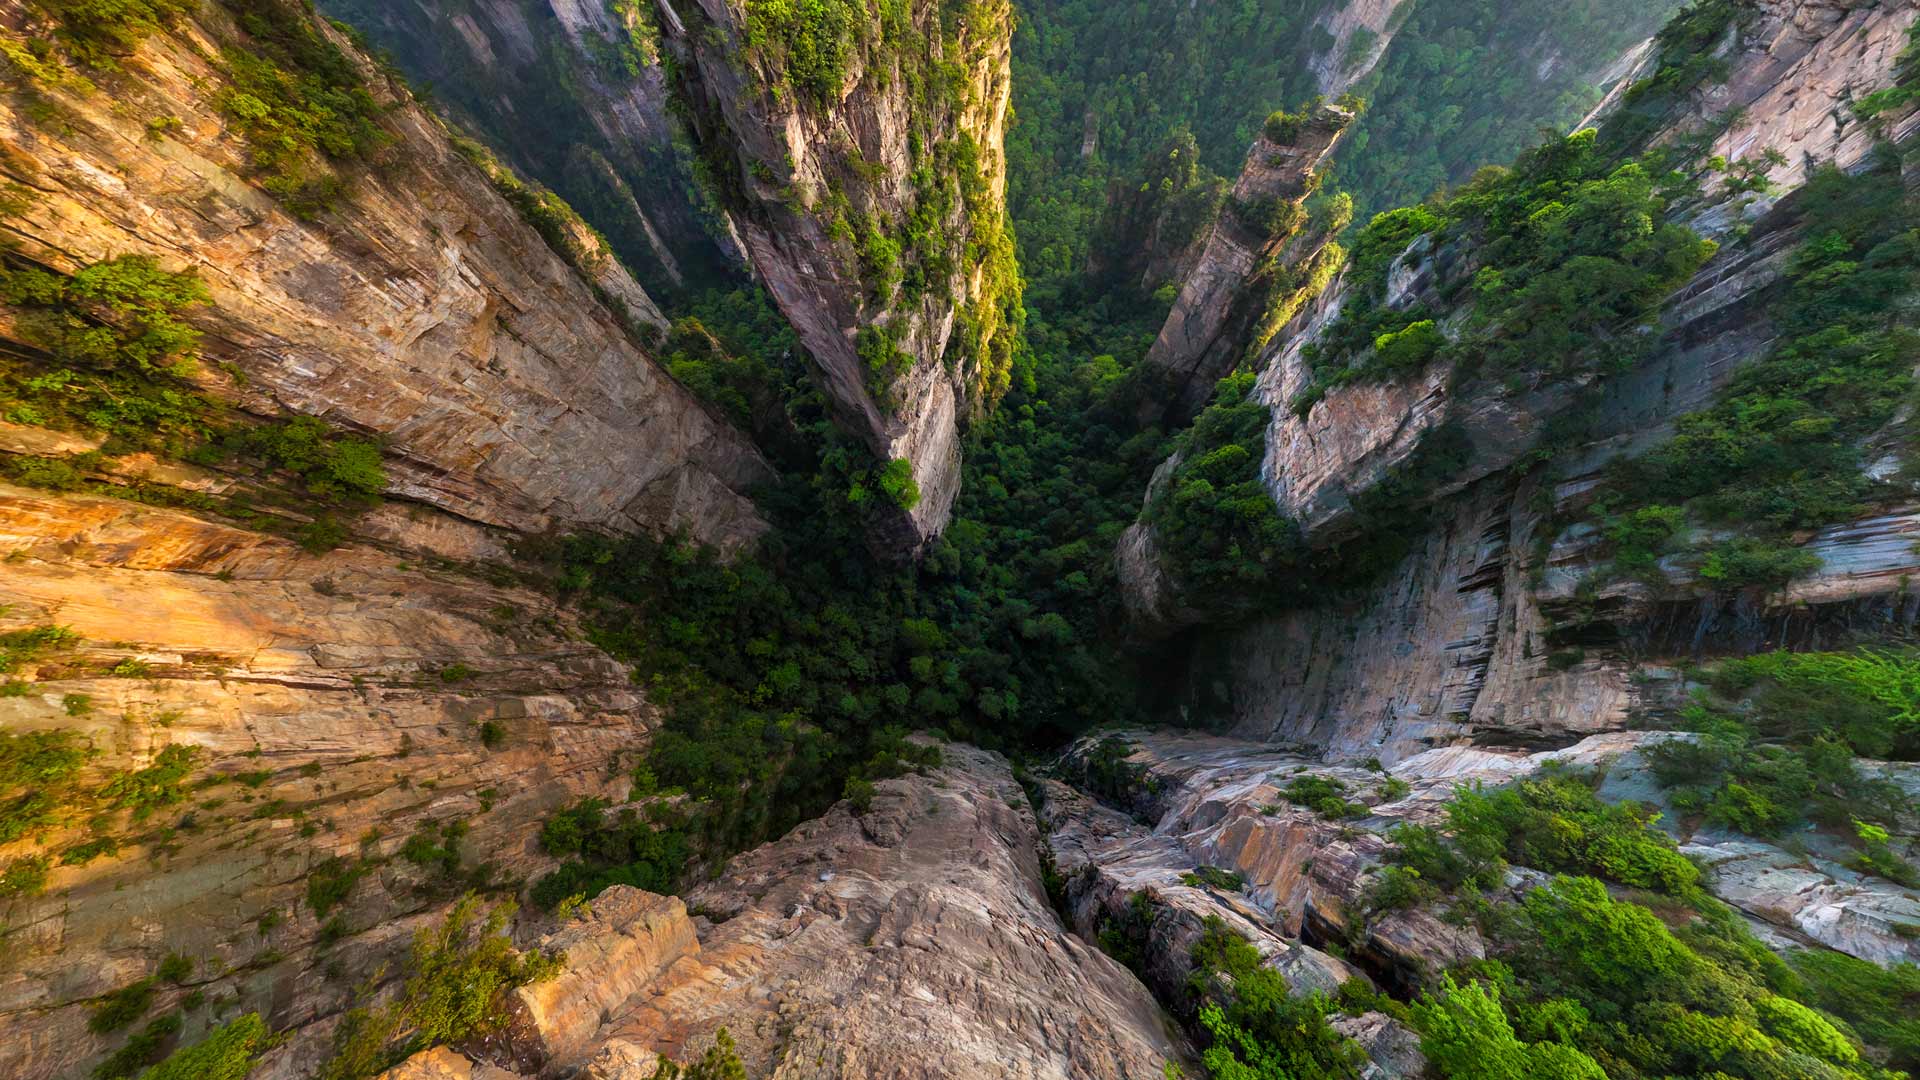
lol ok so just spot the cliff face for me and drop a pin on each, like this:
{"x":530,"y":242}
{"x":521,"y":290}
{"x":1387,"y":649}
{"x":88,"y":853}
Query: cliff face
{"x":574,"y":93}
{"x":1475,"y":619}
{"x":330,"y":709}
{"x":911,"y":939}
{"x":1361,"y":31}
{"x":420,"y":308}
{"x":1261,"y":249}
{"x":861,"y":158}
{"x":286,"y":760}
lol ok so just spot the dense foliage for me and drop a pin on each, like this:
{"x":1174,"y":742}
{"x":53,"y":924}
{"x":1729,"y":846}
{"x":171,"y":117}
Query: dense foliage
{"x":1257,"y":1028}
{"x":456,"y":978}
{"x":1774,"y":749}
{"x":1785,"y":447}
{"x":1573,"y":255}
{"x":1470,"y":82}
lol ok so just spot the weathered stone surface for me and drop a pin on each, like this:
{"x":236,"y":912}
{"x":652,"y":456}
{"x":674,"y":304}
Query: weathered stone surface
{"x":1393,"y":1052}
{"x":324,"y":678}
{"x":911,"y":941}
{"x":613,"y":953}
{"x":1213,"y":801}
{"x":441,"y":1063}
{"x":792,"y":152}
{"x":1795,"y":71}
{"x":422,"y":308}
{"x":1206,"y":333}
{"x":1337,"y":68}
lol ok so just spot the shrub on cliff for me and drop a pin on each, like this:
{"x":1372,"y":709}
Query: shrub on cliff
{"x":457,"y":977}
{"x":229,"y":1052}
{"x":99,"y":32}
{"x":1258,"y":1028}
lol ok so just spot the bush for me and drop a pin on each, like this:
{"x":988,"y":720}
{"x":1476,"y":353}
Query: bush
{"x":141,"y":1049}
{"x":229,"y":1052}
{"x":121,"y":1007}
{"x":1464,"y":1034}
{"x":122,"y":313}
{"x":457,"y":976}
{"x":99,"y":32}
{"x":1258,"y":1028}
{"x":896,"y":482}
{"x":301,"y":103}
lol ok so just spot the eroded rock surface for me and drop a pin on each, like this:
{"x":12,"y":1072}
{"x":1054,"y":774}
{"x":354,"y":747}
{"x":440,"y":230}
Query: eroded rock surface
{"x":421,"y":308}
{"x":913,"y":940}
{"x":334,"y":705}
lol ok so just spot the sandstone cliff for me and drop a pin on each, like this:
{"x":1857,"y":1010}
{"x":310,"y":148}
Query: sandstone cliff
{"x":420,"y":307}
{"x":323,"y":712}
{"x":861,"y":156}
{"x":1259,"y":255}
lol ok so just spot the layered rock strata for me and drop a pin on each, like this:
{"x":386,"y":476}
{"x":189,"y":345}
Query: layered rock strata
{"x":420,"y":307}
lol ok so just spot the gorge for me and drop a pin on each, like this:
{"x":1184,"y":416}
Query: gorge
{"x":633,"y":539}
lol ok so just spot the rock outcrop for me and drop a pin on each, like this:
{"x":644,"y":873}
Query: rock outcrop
{"x":1192,"y":801}
{"x":1262,"y":240}
{"x":864,"y":167}
{"x":908,"y":939}
{"x":419,"y":307}
{"x":1361,"y":31}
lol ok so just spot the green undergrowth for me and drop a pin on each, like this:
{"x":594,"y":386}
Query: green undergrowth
{"x":454,"y":987}
{"x":1553,"y":822}
{"x":1785,"y":448}
{"x":115,"y":357}
{"x":1573,"y":257}
{"x":1622,"y":966}
{"x":1255,"y":1027}
{"x":1776,"y":737}
{"x":302,"y":103}
{"x":228,"y":1052}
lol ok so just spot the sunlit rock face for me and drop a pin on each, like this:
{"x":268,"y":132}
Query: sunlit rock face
{"x":334,"y":706}
{"x":421,"y":308}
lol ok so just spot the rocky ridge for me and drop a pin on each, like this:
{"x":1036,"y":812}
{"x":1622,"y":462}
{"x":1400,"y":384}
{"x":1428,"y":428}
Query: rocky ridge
{"x":1262,"y":239}
{"x":908,"y":939}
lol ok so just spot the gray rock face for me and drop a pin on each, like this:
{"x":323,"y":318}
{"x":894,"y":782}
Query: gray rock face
{"x":422,"y":309}
{"x":567,"y":90}
{"x":913,"y":940}
{"x":1206,"y":333}
{"x":810,"y":173}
